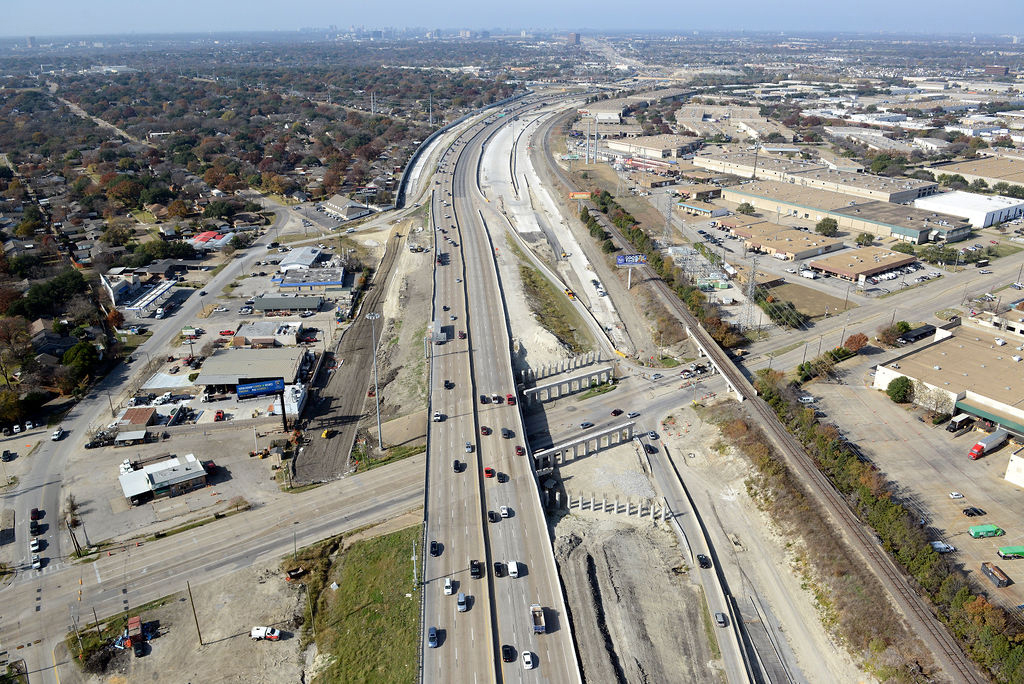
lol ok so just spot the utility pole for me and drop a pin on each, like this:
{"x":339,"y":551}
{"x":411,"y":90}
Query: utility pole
{"x":194,"y":616}
{"x":372,"y":317}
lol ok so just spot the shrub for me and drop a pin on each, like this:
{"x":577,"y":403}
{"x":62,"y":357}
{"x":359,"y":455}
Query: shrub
{"x":900,"y":390}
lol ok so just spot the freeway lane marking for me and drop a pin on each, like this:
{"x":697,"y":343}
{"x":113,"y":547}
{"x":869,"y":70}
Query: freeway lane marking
{"x":96,"y":568}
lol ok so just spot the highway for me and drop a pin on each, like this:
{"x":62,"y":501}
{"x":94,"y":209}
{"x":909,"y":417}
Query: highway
{"x":466,"y":281}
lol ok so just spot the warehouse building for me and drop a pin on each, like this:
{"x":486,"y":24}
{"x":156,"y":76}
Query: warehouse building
{"x":992,"y":170}
{"x":301,"y":259}
{"x":970,"y":370}
{"x":816,"y":175}
{"x":698,"y":208}
{"x":981,"y":211}
{"x":857,"y":264}
{"x":656,"y":146}
{"x":228,"y":368}
{"x":853,"y":214}
{"x":314,"y":280}
{"x":271,"y":305}
{"x":269,"y":333}
{"x":785,"y":243}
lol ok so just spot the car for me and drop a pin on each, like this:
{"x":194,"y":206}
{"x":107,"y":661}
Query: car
{"x":139,"y":647}
{"x":703,"y":561}
{"x":488,"y":472}
{"x":994,"y":242}
{"x":807,"y":399}
{"x":221,"y":309}
{"x":174,"y":369}
{"x":8,"y":455}
{"x":973,"y":512}
{"x":57,"y":434}
{"x":226,"y":333}
{"x":508,"y":654}
{"x":493,"y":516}
{"x":633,"y":414}
{"x":29,"y":425}
{"x":469,"y":447}
{"x":586,"y":425}
{"x":484,"y":430}
{"x":37,"y":562}
{"x":456,"y":466}
{"x":720,"y":619}
{"x":268,"y":633}
{"x":506,"y":433}
{"x":202,"y":293}
{"x":432,"y":637}
{"x":35,"y":514}
{"x":306,"y":314}
{"x":437,"y":417}
{"x":476,"y":570}
{"x":448,"y":589}
{"x":984,"y":271}
{"x":327,"y":434}
{"x":520,"y":451}
{"x":460,"y":603}
{"x":16,"y":429}
{"x":499,"y":569}
{"x":435,"y":549}
{"x":790,"y":270}
{"x":527,"y":660}
{"x":616,"y":412}
{"x":462,"y":334}
{"x":219,"y":416}
{"x":652,"y":435}
{"x":35,"y":545}
{"x":496,"y":398}
{"x":33,"y":527}
{"x":503,"y":510}
{"x":484,"y":399}
{"x":448,"y":384}
{"x":657,"y":376}
{"x":956,"y":495}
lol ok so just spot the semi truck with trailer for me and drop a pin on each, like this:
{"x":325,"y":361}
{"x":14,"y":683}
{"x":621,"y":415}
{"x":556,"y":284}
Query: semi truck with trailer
{"x":989,"y":443}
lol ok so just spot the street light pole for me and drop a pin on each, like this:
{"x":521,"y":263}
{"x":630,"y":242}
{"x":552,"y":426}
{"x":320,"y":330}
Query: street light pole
{"x":372,"y":317}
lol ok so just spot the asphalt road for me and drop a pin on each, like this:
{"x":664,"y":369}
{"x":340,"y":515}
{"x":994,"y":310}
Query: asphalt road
{"x":456,"y":502}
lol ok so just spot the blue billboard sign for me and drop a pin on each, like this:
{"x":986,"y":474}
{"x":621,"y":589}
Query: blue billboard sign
{"x":255,"y":389}
{"x":631,"y":260}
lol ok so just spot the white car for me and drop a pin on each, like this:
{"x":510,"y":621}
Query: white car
{"x":790,"y":270}
{"x":956,"y":495}
{"x":527,"y":660}
{"x":37,"y":562}
{"x":807,"y":400}
{"x":57,"y":434}
{"x":503,"y":510}
{"x":34,"y":545}
{"x":448,"y":589}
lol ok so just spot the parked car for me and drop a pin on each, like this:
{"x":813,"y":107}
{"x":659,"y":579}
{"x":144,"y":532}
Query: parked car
{"x":973,"y":512}
{"x":261,"y":633}
{"x":218,"y":416}
{"x":35,"y":514}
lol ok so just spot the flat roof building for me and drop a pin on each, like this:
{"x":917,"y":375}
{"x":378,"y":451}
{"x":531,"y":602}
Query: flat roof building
{"x":301,"y":258}
{"x":231,"y":367}
{"x":992,"y":170}
{"x":786,"y":243}
{"x":968,"y":370}
{"x":655,"y":146}
{"x":313,"y":279}
{"x":167,"y":478}
{"x":698,"y":208}
{"x":270,"y":333}
{"x":287,"y":302}
{"x":980,"y":210}
{"x":860,"y":263}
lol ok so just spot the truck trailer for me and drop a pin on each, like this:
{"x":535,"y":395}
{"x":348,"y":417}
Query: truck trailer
{"x":989,"y":443}
{"x":995,"y":574}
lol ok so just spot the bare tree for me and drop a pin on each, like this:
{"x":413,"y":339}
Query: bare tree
{"x":14,"y":345}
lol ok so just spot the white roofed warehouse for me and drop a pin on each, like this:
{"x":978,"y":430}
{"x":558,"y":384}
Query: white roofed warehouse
{"x":981,"y":210}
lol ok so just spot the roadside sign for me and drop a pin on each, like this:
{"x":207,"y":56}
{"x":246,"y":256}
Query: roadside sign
{"x":256,"y":389}
{"x":627,"y":260}
{"x":579,"y":195}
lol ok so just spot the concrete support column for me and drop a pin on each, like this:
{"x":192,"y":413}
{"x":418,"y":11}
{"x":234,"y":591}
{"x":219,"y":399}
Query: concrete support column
{"x":591,"y":501}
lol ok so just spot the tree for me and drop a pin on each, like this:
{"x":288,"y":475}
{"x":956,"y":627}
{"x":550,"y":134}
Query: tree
{"x":887,"y":335}
{"x":14,"y":345}
{"x":904,"y":248}
{"x":115,"y":319}
{"x":177,"y":209}
{"x":116,"y":236}
{"x":900,"y":390}
{"x":856,"y":342}
{"x":81,"y":359}
{"x":827,"y":226}
{"x":745,"y":208}
{"x":865,"y":239}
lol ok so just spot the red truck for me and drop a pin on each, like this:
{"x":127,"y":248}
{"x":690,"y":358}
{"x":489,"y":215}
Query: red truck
{"x":989,"y":443}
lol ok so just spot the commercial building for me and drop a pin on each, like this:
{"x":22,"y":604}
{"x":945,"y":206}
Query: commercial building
{"x":698,"y":208}
{"x":883,"y":219}
{"x":229,"y":368}
{"x":966,"y":370}
{"x":980,"y":210}
{"x":785,"y":243}
{"x":167,"y":478}
{"x":992,"y":170}
{"x":815,"y":175}
{"x":345,"y":209}
{"x":702,"y":192}
{"x":313,"y":279}
{"x":655,"y":146}
{"x":855,"y":264}
{"x":269,"y":333}
{"x":301,"y":258}
{"x":286,"y":303}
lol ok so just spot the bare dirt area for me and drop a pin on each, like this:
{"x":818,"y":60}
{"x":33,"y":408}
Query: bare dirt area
{"x":226,"y":610}
{"x":757,"y":558}
{"x":810,"y":301}
{"x":636,"y":616}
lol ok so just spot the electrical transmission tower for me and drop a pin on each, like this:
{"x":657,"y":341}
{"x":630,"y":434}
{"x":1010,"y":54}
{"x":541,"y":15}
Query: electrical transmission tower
{"x":749,"y":316}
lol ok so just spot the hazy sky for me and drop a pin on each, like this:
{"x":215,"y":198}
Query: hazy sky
{"x":77,"y":17}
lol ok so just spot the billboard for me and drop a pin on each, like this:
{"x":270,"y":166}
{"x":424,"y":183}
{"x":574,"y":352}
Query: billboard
{"x":579,"y":195}
{"x":631,"y":260}
{"x":256,"y":389}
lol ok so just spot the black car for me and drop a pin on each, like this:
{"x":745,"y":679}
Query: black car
{"x":484,"y":399}
{"x":499,"y":569}
{"x":476,"y":570}
{"x":33,"y":528}
{"x":7,"y":456}
{"x":448,"y":384}
{"x":973,"y":512}
{"x":506,"y":433}
{"x":508,"y":654}
{"x":493,"y":516}
{"x":435,"y":549}
{"x":703,"y":560}
{"x":138,"y":647}
{"x":456,"y":466}
{"x":502,"y":477}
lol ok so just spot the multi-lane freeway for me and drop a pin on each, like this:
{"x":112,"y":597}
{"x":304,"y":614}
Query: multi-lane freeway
{"x":470,"y":644}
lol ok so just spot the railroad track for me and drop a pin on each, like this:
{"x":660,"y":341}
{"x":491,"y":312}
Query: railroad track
{"x":957,"y":665}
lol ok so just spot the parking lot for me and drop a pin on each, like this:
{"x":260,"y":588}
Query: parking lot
{"x":930,"y":463}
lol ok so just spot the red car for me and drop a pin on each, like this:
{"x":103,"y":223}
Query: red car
{"x":520,"y":451}
{"x":35,"y":514}
{"x":511,"y":399}
{"x":484,"y":430}
{"x":488,"y":472}
{"x":219,"y":415}
{"x":227,"y":333}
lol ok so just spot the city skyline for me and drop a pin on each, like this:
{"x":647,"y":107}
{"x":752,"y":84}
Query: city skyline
{"x":111,"y":17}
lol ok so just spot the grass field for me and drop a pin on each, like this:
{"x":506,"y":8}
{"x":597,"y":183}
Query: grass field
{"x":809,"y":301}
{"x":143,"y":216}
{"x":369,"y":626}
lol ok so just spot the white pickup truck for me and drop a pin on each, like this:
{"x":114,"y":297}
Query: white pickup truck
{"x":268,"y":633}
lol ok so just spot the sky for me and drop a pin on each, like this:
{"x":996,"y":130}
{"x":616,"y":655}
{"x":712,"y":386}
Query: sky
{"x":104,"y":17}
